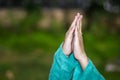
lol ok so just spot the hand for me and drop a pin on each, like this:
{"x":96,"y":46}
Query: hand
{"x":78,"y":46}
{"x":67,"y":44}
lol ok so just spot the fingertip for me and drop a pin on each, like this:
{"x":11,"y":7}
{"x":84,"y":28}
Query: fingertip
{"x":78,"y":14}
{"x":81,"y":16}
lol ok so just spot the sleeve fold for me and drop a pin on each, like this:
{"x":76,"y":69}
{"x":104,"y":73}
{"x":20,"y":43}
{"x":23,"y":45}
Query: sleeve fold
{"x":63,"y":66}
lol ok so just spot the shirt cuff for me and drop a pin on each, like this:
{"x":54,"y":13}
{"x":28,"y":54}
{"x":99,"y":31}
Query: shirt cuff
{"x":66,"y":63}
{"x":91,"y":72}
{"x":89,"y":67}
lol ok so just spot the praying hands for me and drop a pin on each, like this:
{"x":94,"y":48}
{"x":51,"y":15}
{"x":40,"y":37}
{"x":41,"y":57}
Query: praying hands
{"x":74,"y":42}
{"x":70,"y":61}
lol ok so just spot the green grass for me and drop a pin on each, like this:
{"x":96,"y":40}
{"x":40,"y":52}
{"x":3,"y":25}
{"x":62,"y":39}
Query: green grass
{"x":29,"y":57}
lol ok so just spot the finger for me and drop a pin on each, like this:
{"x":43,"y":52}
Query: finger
{"x":76,"y":32}
{"x":77,"y":28}
{"x":71,"y":29}
{"x":78,"y":14}
{"x":80,"y":24}
{"x":76,"y":18}
{"x":74,"y":21}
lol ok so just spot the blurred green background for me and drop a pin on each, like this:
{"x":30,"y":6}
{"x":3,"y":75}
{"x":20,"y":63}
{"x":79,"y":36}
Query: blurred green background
{"x":30,"y":33}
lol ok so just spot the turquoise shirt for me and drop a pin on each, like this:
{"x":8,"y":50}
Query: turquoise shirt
{"x":68,"y":68}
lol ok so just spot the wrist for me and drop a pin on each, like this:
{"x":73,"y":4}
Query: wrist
{"x":83,"y":60}
{"x":65,"y":51}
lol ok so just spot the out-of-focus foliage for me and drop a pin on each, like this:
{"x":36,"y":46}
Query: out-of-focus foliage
{"x":26,"y":49}
{"x":30,"y":36}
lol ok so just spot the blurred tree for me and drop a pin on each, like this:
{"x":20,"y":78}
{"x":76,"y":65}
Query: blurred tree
{"x":109,"y":5}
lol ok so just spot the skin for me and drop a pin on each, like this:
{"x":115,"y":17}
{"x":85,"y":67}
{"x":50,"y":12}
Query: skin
{"x":73,"y":42}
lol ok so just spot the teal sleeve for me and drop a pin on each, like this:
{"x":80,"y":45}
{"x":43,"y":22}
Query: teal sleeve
{"x":77,"y":72}
{"x":90,"y":73}
{"x":62,"y":67}
{"x":67,"y":68}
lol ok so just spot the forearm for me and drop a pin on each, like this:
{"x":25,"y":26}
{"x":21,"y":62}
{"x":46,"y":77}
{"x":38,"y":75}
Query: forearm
{"x":89,"y":73}
{"x":62,"y":67}
{"x":83,"y":60}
